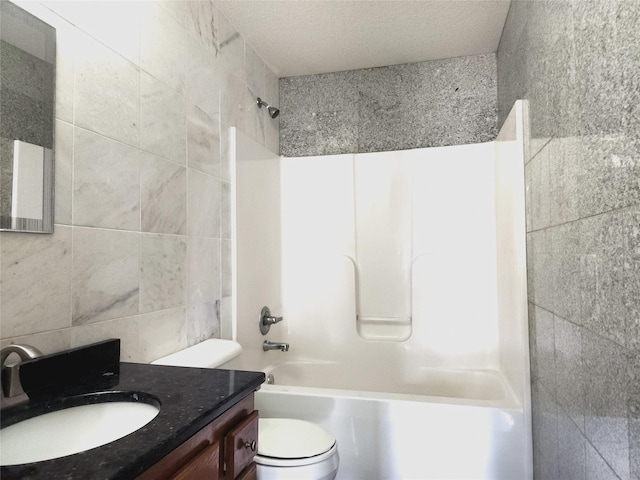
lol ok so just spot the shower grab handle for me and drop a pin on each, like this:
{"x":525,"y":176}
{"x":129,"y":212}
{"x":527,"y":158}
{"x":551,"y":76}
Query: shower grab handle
{"x":266,"y":320}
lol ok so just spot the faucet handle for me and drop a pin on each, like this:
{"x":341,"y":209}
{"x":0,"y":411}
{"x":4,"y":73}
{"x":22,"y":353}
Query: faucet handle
{"x":266,"y":320}
{"x":271,"y":320}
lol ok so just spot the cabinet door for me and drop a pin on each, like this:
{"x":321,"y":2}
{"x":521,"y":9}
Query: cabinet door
{"x":241,"y":445}
{"x":203,"y":466}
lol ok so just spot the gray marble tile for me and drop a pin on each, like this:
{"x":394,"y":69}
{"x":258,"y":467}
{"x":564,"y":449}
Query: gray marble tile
{"x":202,"y":22}
{"x":65,"y":65}
{"x":238,"y":107}
{"x":512,"y":75}
{"x":203,"y":270}
{"x":163,"y":129}
{"x":597,"y":467}
{"x":606,"y":422}
{"x":36,"y":282}
{"x":565,"y":240}
{"x":552,"y":48}
{"x":606,"y":67}
{"x":564,"y":169}
{"x":160,"y":333}
{"x":540,"y":186}
{"x":576,"y":62}
{"x":256,"y":73}
{"x":602,"y":277}
{"x":527,"y":197}
{"x":107,"y":93}
{"x":203,"y":77}
{"x":319,"y":114}
{"x":609,"y":176}
{"x":571,"y":450}
{"x":125,"y":328}
{"x":203,"y":322}
{"x":608,"y":110}
{"x":634,"y":436}
{"x":531,"y":286}
{"x":105,"y":274}
{"x":162,"y":272}
{"x":114,"y":24}
{"x":163,"y":195}
{"x":203,"y":141}
{"x":203,"y":205}
{"x":543,"y":268}
{"x":633,"y":413}
{"x":63,"y":172}
{"x":570,"y":374}
{"x":47,"y":342}
{"x":631,"y":296}
{"x":330,"y":133}
{"x":106,"y":182}
{"x":144,"y":337}
{"x":533,"y":348}
{"x":545,"y":434}
{"x":177,"y":9}
{"x":163,"y":44}
{"x":231,"y":48}
{"x":443,"y":102}
{"x":545,"y":350}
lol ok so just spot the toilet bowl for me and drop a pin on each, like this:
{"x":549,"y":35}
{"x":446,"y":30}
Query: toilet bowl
{"x":288,"y":449}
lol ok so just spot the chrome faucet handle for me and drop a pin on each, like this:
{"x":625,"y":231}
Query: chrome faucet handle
{"x":266,"y":320}
{"x":271,"y":320}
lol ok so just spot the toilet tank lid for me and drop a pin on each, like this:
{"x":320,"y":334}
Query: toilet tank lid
{"x":208,"y":354}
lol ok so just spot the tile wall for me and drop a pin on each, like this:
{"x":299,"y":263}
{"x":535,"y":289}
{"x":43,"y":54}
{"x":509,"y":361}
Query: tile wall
{"x":429,"y":104}
{"x":146,"y":93}
{"x":577,"y":63}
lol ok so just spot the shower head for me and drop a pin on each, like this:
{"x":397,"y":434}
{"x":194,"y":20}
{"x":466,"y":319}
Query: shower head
{"x":273,"y":111}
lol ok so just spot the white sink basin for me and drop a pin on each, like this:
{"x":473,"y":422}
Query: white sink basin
{"x":72,"y":430}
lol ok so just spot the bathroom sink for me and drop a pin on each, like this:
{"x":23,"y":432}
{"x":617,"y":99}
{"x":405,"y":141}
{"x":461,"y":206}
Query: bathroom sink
{"x":77,"y":424}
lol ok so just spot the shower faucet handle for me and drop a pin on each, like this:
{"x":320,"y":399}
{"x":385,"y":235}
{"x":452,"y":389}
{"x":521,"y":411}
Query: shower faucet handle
{"x":266,"y":320}
{"x":271,"y":320}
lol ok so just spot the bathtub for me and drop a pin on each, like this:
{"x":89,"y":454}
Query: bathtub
{"x":428,"y":424}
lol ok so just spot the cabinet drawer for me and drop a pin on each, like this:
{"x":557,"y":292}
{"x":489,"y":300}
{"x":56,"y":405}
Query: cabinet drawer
{"x":241,"y":445}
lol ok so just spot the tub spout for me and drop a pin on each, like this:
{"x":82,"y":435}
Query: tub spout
{"x":267,"y":345}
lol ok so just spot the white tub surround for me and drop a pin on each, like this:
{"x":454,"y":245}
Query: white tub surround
{"x":401,"y":277}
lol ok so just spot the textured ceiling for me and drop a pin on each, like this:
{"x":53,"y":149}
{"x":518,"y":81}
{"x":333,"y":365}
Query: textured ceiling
{"x":304,"y":37}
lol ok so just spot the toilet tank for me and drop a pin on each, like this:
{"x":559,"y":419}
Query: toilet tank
{"x":208,"y":354}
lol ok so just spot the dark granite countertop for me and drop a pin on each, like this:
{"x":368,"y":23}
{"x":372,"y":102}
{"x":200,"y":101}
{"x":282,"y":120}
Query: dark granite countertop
{"x":190,"y":398}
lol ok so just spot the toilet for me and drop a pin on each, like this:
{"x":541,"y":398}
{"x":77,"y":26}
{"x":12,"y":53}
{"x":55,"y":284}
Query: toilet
{"x":288,"y":449}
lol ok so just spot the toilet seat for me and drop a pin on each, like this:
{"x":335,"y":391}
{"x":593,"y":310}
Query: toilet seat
{"x":287,"y":442}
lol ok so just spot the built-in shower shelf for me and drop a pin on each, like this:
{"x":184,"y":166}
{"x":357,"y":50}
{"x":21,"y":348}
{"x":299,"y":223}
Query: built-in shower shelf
{"x":384,"y":329}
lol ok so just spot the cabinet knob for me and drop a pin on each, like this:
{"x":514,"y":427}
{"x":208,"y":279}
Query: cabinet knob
{"x":251,"y":445}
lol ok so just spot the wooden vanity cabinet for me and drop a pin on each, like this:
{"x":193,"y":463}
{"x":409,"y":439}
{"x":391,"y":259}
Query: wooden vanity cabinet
{"x":223,"y":450}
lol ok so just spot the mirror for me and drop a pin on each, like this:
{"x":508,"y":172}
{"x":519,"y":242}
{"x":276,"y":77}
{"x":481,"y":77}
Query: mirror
{"x":27,"y":99}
